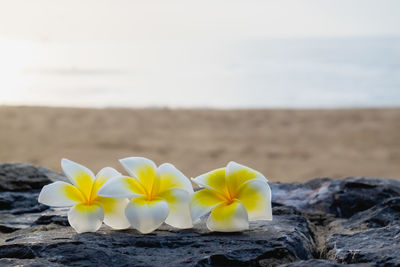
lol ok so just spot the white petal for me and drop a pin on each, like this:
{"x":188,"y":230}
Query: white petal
{"x":228,"y":218}
{"x":79,"y":175}
{"x":107,"y":173}
{"x":203,"y":201}
{"x":179,"y":212}
{"x":234,"y":167}
{"x":114,"y":211}
{"x":121,"y":187}
{"x":171,"y":177}
{"x":134,"y":165}
{"x":84,"y":218}
{"x":103,"y":176}
{"x":60,"y":194}
{"x":255,"y":195}
{"x":146,"y":216}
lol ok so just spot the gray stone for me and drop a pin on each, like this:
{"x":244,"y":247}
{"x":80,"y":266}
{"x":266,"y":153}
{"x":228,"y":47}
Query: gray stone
{"x":25,"y":177}
{"x":343,"y":198}
{"x":323,"y":222}
{"x":378,"y":246}
{"x":369,"y":236}
{"x":285,"y":239}
{"x":320,"y":263}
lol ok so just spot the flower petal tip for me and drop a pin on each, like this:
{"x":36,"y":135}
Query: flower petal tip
{"x":86,"y":218}
{"x":146,"y":216}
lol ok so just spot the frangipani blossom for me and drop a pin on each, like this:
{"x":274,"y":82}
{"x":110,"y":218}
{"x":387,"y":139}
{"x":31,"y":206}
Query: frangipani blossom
{"x":157,"y":194}
{"x":235,"y":195}
{"x":89,"y":209}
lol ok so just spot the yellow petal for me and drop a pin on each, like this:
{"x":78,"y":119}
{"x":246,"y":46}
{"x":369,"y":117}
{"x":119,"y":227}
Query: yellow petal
{"x":237,"y":174}
{"x":86,"y":218}
{"x":114,"y":211}
{"x":203,"y":201}
{"x":60,"y":194}
{"x":146,"y":216}
{"x":79,"y":175}
{"x":144,"y":170}
{"x":121,"y":187}
{"x":171,"y":177}
{"x":213,"y":180}
{"x":179,"y":212}
{"x":255,"y":195}
{"x":228,"y":218}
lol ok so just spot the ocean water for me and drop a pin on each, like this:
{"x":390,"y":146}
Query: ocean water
{"x":218,"y":73}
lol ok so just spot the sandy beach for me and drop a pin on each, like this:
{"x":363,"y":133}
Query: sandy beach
{"x":285,"y":145}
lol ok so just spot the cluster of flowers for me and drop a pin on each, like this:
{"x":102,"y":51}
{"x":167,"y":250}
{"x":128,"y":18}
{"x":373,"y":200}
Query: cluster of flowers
{"x":152,"y":195}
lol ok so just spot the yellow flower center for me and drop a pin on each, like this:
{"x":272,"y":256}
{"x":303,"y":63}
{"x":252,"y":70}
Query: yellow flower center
{"x":89,"y":188}
{"x":149,"y":182}
{"x":229,"y":197}
{"x":151,"y":191}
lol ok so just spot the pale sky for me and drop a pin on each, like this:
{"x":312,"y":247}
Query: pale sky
{"x":123,"y":20}
{"x":162,"y":52}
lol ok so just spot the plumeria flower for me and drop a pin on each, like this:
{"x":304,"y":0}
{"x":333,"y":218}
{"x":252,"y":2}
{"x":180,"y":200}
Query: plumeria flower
{"x":158,"y":194}
{"x":235,"y":195}
{"x":89,"y":209}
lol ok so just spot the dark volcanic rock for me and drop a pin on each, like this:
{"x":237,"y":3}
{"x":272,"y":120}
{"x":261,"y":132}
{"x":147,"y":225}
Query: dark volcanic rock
{"x":378,"y":246}
{"x":320,"y":223}
{"x":353,"y":220}
{"x":20,"y":184}
{"x":369,"y":236}
{"x":284,"y":240}
{"x":20,"y":202}
{"x":24,"y":177}
{"x":48,"y":219}
{"x":320,"y":263}
{"x":385,"y":214}
{"x":343,"y":198}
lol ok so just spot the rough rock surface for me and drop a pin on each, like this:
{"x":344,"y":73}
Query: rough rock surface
{"x":324,"y":222}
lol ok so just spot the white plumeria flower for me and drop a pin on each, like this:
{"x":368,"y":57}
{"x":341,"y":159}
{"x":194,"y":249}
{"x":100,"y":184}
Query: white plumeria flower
{"x":89,"y":209}
{"x":158,"y":194}
{"x":235,"y":195}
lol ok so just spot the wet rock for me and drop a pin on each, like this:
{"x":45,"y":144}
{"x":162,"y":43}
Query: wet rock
{"x":323,"y":222}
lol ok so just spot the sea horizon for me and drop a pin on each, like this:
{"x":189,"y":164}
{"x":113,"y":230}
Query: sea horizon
{"x":198,"y":108}
{"x":299,"y":73}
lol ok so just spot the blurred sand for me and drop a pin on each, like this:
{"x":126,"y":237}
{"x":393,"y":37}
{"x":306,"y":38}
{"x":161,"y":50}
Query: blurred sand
{"x":285,"y":145}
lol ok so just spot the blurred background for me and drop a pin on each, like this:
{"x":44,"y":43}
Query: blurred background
{"x":297,"y":89}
